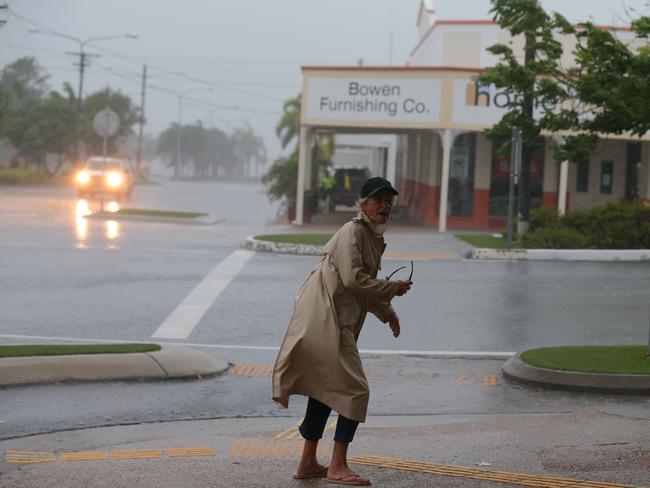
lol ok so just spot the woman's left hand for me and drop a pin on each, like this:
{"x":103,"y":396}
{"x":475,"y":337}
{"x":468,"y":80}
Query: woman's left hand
{"x":393,"y":322}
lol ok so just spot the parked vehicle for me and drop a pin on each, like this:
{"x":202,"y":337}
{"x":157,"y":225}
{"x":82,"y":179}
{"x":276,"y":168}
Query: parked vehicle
{"x":347,"y":186}
{"x":105,"y":176}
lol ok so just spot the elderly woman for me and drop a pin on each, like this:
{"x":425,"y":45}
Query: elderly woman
{"x":319,"y":356}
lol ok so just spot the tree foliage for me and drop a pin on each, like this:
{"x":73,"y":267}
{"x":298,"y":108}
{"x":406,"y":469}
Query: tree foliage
{"x":210,"y":153}
{"x":43,"y":127}
{"x":281,"y":179}
{"x":249,"y":148}
{"x":288,"y":127}
{"x":119,"y":103}
{"x":4,"y":113}
{"x":605,"y":91}
{"x":24,"y":81}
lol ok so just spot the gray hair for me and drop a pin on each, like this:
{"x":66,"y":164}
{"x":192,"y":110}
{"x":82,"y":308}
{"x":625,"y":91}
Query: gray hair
{"x":361,"y":201}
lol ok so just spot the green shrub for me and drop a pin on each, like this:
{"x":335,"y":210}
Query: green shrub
{"x":614,"y":226}
{"x":21,"y":176}
{"x":557,"y":237}
{"x":543,"y":217}
{"x":643,"y":221}
{"x":579,"y":220}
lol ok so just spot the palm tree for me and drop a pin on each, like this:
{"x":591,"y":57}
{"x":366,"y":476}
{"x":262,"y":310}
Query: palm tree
{"x":289,"y":124}
{"x":249,"y":148}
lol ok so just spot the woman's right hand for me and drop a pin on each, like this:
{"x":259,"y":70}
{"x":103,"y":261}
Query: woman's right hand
{"x":404,"y":286}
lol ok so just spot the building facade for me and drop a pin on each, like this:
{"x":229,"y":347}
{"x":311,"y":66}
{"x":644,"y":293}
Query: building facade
{"x":448,"y":173}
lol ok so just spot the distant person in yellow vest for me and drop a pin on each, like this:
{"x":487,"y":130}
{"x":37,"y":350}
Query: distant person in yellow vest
{"x":326,"y":184}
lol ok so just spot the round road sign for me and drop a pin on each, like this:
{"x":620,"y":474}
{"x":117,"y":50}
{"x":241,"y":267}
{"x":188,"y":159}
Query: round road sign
{"x":106,"y":123}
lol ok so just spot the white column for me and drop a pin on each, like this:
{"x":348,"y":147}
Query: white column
{"x":447,"y":137}
{"x":564,"y":176}
{"x":303,"y":156}
{"x":561,"y":198}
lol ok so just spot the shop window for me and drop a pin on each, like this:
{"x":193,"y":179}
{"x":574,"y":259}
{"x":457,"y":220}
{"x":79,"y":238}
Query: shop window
{"x":582,"y":179}
{"x":500,"y":179}
{"x":606,"y":176}
{"x":461,"y":176}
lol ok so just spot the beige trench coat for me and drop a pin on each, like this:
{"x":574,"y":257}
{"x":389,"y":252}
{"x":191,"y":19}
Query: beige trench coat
{"x":319,"y":356}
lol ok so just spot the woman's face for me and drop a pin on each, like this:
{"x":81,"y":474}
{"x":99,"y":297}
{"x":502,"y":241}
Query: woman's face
{"x":379,"y":206}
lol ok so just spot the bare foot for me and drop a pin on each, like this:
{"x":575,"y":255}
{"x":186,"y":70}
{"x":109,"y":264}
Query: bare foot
{"x":311,"y":469}
{"x":345,"y":473}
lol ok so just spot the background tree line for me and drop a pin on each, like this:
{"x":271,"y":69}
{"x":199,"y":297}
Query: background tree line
{"x":44,"y":125}
{"x":211,"y":153}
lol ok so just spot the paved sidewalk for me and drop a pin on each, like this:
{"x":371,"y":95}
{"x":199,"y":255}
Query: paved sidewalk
{"x":482,"y":451}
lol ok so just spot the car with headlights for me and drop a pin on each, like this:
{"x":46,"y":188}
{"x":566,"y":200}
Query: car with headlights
{"x":106,"y":177}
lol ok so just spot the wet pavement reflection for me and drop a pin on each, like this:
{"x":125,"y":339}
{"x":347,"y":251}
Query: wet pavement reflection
{"x":84,"y":209}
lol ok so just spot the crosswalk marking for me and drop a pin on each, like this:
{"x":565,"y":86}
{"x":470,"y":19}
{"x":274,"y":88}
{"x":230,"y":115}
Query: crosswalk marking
{"x":181,"y":322}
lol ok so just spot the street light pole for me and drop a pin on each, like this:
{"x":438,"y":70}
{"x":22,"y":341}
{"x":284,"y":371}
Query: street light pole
{"x":83,"y":57}
{"x":181,"y":97}
{"x":138,"y":151}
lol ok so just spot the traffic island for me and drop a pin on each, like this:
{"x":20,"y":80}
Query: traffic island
{"x":105,"y":362}
{"x":160,"y":216}
{"x":307,"y":244}
{"x":614,"y":369}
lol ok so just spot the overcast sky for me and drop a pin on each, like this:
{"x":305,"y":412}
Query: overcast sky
{"x":251,"y":50}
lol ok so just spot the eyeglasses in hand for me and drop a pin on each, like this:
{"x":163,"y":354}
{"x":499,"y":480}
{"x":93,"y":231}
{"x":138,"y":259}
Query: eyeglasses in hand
{"x":410,"y":278}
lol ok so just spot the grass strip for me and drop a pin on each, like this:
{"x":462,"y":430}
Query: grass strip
{"x":486,"y":241}
{"x":160,"y":213}
{"x":591,"y":359}
{"x":12,"y":351}
{"x":22,"y":176}
{"x":312,"y":239}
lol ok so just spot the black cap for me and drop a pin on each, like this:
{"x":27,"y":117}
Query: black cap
{"x":375,"y":184}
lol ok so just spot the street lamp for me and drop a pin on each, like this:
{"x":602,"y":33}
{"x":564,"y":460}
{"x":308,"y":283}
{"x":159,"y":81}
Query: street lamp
{"x":82,"y":59}
{"x":181,"y":97}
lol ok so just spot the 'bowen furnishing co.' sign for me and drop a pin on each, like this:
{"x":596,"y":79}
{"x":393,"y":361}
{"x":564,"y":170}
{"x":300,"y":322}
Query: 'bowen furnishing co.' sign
{"x":396,"y":101}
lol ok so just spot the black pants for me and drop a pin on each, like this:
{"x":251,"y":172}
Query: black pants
{"x":313,"y":425}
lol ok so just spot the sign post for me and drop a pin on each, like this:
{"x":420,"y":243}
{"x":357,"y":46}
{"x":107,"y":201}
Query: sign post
{"x":515,"y":157}
{"x":106,"y":124}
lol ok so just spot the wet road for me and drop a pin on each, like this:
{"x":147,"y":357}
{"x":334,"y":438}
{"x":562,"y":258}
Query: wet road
{"x":68,"y":277}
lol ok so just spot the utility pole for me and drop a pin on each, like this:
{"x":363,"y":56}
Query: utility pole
{"x":4,"y":6}
{"x":524,"y":183}
{"x":83,"y":63}
{"x":138,"y":153}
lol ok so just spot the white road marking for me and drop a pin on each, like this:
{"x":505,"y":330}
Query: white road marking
{"x":381,"y":352}
{"x":181,"y":322}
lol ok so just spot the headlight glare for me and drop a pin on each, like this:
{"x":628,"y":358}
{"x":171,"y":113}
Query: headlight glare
{"x":113,"y":179}
{"x":83,"y":177}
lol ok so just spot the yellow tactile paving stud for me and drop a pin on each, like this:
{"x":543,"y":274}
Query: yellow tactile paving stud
{"x":85,"y":456}
{"x":523,"y":479}
{"x":463,"y":381}
{"x":251,"y":370}
{"x":190,"y":452}
{"x":27,"y":457}
{"x":489,"y":380}
{"x":142,"y":454}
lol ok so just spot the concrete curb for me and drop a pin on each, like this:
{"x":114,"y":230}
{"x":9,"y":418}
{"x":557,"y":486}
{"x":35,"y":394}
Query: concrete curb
{"x":281,"y":247}
{"x":562,"y":254}
{"x":205,"y":220}
{"x":517,"y":370}
{"x":171,"y":362}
